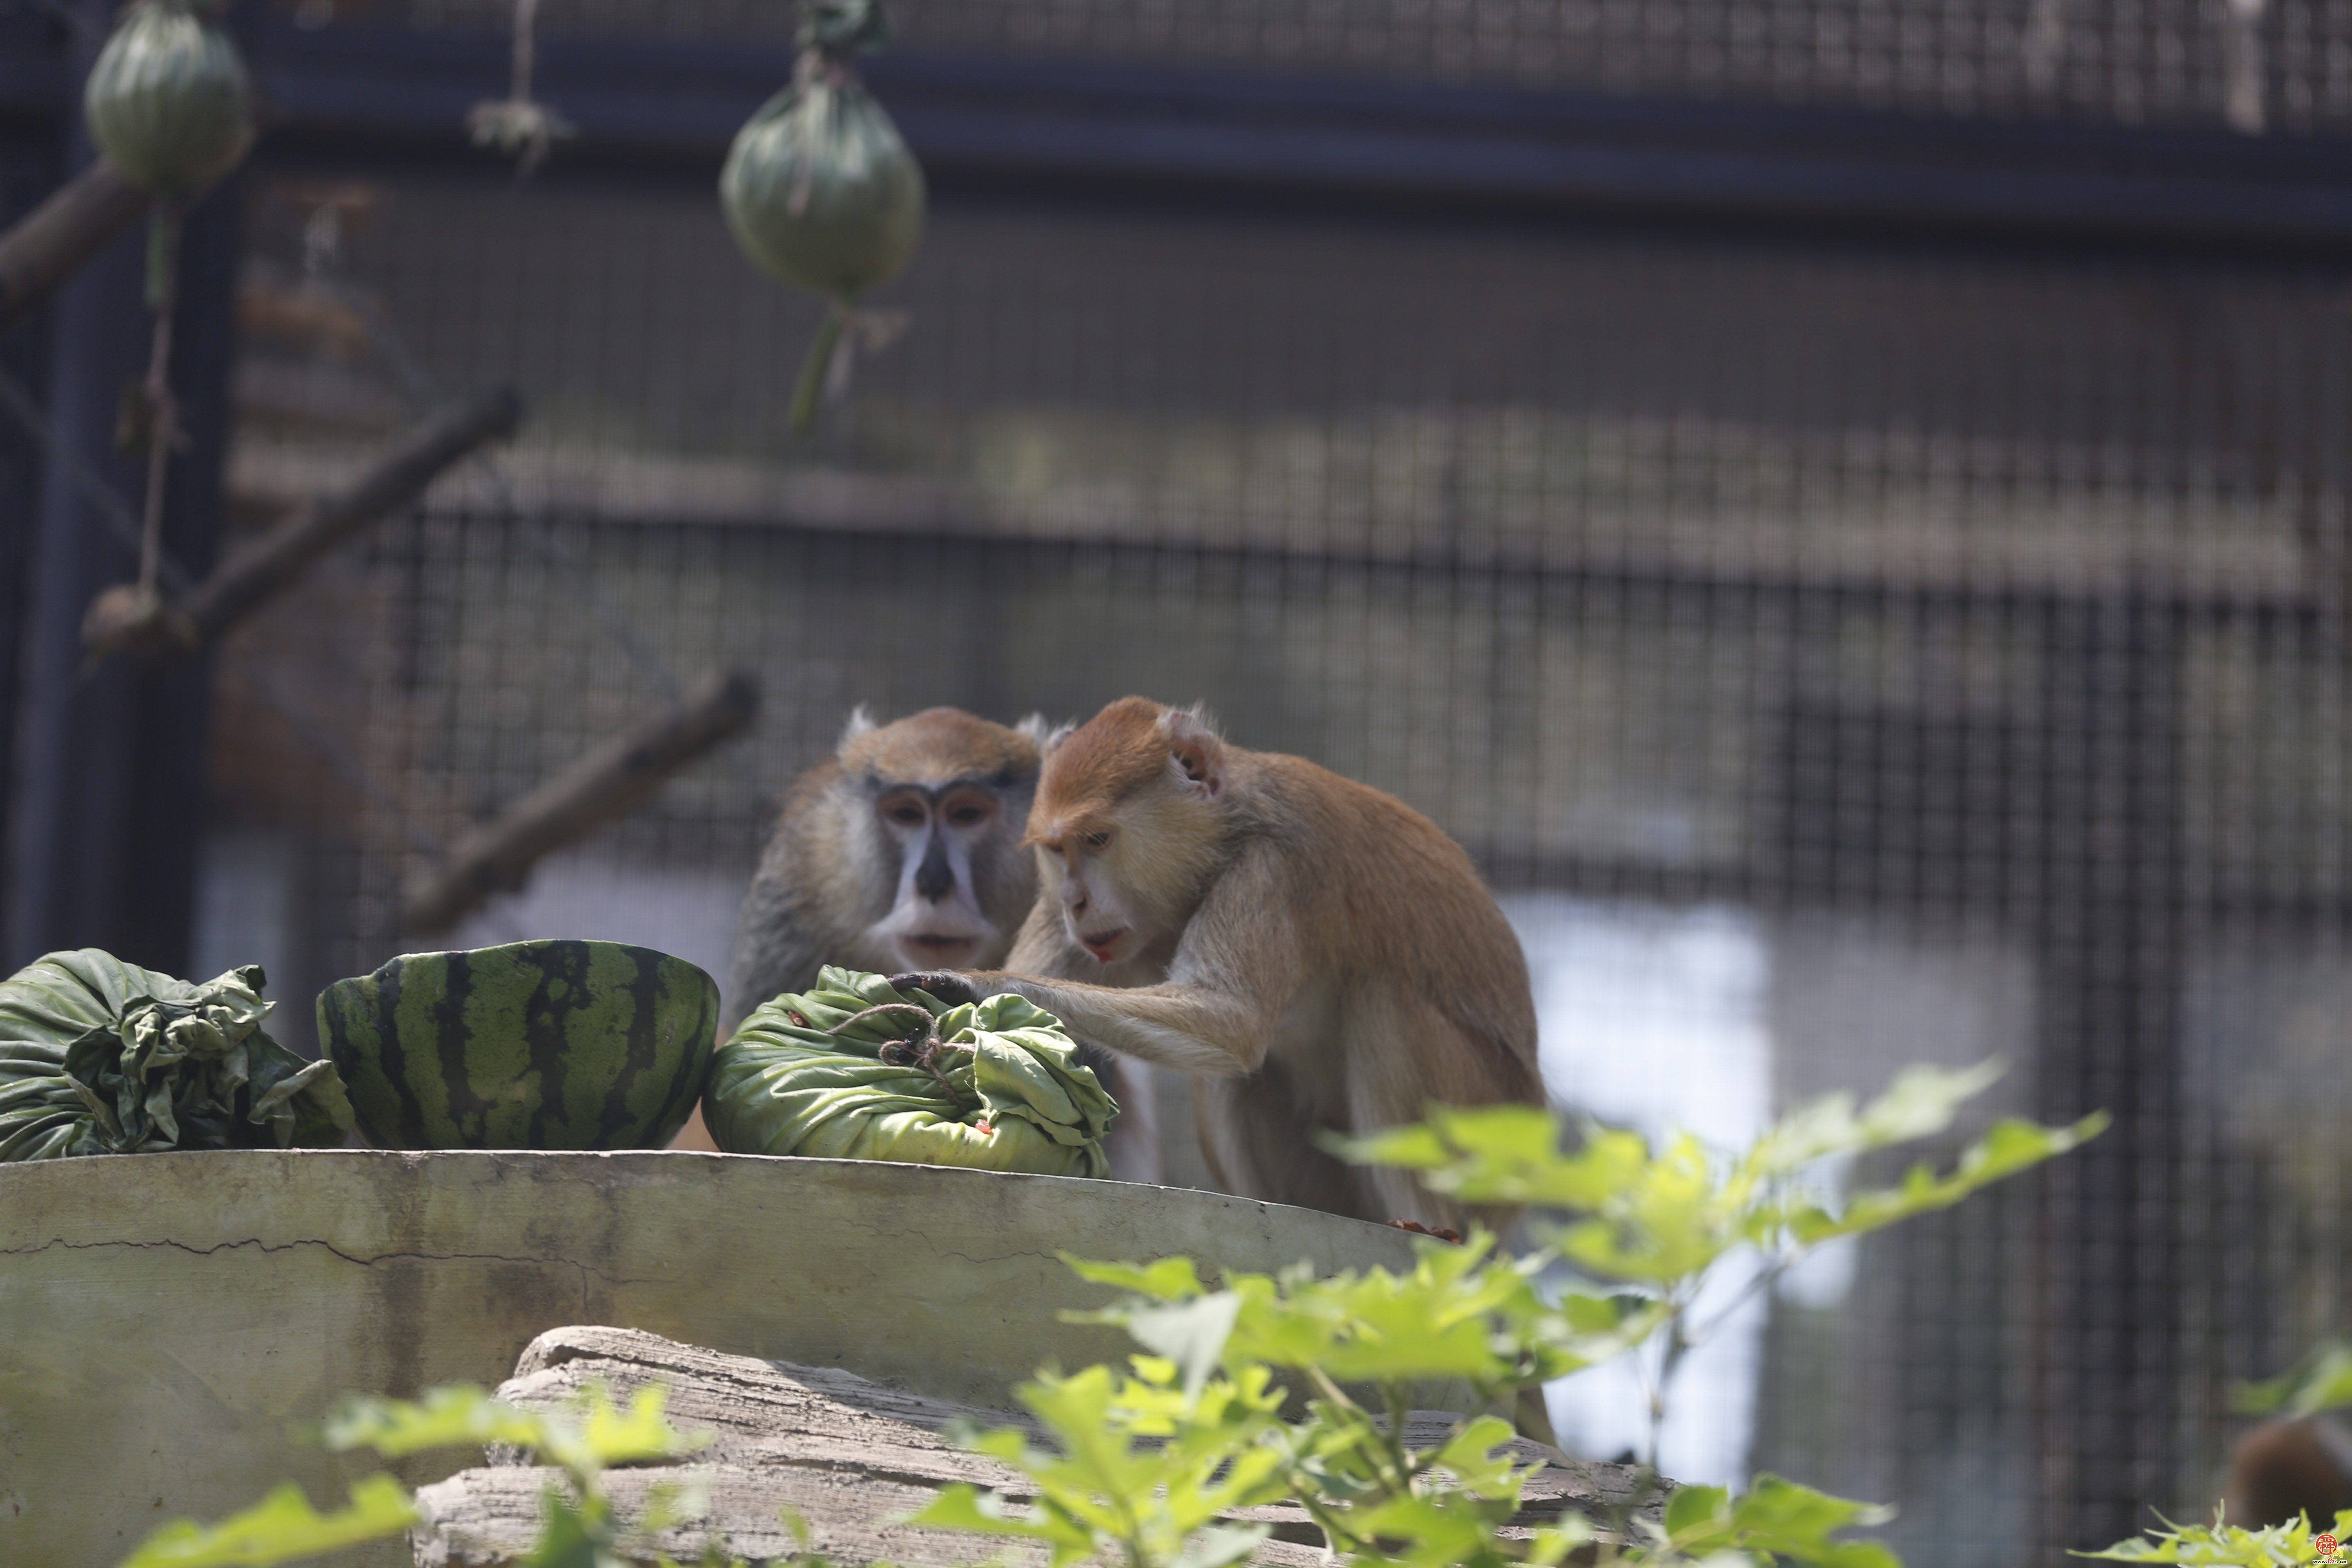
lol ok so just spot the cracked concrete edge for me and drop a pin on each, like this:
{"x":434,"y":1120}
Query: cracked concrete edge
{"x":172,"y":1315}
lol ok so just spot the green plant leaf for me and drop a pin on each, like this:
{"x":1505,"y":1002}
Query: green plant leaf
{"x":1777,"y":1518}
{"x":1692,"y":1508}
{"x":1919,"y":1103}
{"x":1192,"y":1334}
{"x":569,"y":1537}
{"x":964,"y":1507}
{"x":1215,"y":1547}
{"x":669,"y":1503}
{"x":2219,"y":1545}
{"x":443,"y":1417}
{"x":2321,"y":1381}
{"x":461,"y":1414}
{"x":626,"y":1438}
{"x":281,"y":1528}
{"x":1168,"y":1280}
{"x":1475,"y":1456}
{"x":2008,"y":1147}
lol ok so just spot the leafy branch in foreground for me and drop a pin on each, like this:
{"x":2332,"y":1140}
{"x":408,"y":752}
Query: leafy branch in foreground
{"x":1657,"y":1222}
{"x":1126,"y":1480}
{"x":581,"y":1530}
{"x":2321,"y":1381}
{"x":2219,"y":1545}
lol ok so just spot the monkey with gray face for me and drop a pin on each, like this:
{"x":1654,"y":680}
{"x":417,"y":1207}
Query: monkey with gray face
{"x":903,"y":851}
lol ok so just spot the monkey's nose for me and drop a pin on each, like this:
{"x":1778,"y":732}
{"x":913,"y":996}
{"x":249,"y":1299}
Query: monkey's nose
{"x":935,"y":878}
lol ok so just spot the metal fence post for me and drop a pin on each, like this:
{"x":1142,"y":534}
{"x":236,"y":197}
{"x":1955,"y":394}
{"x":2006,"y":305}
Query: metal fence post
{"x":111,"y":773}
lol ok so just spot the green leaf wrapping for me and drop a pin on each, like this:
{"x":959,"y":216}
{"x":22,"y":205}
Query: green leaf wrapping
{"x":100,"y":1057}
{"x":168,"y":100}
{"x":1015,"y":1098}
{"x":819,"y":190}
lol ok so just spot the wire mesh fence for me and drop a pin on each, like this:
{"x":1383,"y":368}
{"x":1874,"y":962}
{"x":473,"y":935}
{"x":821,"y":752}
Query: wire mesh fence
{"x":1838,"y":655}
{"x":2115,"y":61}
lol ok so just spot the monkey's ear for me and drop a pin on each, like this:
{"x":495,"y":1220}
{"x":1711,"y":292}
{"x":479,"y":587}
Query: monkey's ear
{"x":861,"y":722}
{"x":1043,"y":732}
{"x":1197,"y":750}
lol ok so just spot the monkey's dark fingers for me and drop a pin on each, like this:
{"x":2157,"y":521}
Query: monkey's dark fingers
{"x":906,"y":1012}
{"x":944,"y":984}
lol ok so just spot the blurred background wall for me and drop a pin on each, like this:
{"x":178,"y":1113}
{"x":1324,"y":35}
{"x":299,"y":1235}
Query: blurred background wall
{"x":1838,"y":504}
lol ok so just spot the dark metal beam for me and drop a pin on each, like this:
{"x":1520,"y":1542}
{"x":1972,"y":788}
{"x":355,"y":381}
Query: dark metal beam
{"x":1154,"y":129}
{"x":110,"y":775}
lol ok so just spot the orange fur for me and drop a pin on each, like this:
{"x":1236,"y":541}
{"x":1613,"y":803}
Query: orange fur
{"x":1317,"y":953}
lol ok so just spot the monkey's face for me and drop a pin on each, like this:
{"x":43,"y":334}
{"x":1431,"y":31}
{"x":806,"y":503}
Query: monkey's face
{"x":1078,"y":874}
{"x":946,"y":844}
{"x":1124,"y":880}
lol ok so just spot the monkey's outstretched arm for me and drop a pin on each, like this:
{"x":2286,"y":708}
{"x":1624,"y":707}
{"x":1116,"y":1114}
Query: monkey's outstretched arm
{"x":1235,"y":968}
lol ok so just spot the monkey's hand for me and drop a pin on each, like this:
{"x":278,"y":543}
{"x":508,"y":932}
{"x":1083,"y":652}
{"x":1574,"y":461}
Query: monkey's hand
{"x":946,"y":984}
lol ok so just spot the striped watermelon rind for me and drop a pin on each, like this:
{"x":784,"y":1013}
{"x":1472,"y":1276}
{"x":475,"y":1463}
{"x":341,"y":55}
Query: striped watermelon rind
{"x":554,"y":1044}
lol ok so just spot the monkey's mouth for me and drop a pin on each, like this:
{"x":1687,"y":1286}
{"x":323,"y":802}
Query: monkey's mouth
{"x":933,"y":944}
{"x":1102,"y":946}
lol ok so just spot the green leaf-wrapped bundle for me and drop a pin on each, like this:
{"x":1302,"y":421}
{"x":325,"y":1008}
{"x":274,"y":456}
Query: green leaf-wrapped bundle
{"x":1004,"y":1092}
{"x":100,"y":1057}
{"x":168,"y":100}
{"x":819,"y":187}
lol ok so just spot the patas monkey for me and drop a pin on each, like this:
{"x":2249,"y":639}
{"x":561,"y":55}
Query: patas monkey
{"x":902,"y":851}
{"x":1317,"y":954}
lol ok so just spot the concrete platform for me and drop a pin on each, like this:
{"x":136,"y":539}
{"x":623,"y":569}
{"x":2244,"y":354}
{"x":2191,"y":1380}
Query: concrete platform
{"x":172,"y":1319}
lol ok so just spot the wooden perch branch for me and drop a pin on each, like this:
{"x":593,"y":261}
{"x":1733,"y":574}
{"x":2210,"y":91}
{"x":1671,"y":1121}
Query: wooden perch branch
{"x":606,"y":783}
{"x":44,"y":248}
{"x":121,"y":621}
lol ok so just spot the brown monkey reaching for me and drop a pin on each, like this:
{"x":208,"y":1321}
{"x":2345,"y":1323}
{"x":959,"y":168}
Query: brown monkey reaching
{"x":1317,"y":954}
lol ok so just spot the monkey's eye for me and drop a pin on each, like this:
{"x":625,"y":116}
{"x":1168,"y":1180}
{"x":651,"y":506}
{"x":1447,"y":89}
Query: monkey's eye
{"x":1094,"y":840}
{"x":905,"y":814}
{"x":967,"y":816}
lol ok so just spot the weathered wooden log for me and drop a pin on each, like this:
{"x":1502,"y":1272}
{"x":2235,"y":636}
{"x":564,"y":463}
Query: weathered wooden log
{"x":45,"y":246}
{"x":607,"y":782}
{"x":851,"y":1458}
{"x":123,"y":620}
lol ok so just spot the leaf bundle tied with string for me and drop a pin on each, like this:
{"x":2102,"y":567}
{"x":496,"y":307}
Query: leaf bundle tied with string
{"x":170,"y":104}
{"x":855,"y":1069}
{"x":821,"y":191}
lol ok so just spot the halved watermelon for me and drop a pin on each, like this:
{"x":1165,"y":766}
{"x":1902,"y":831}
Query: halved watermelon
{"x":555,"y":1043}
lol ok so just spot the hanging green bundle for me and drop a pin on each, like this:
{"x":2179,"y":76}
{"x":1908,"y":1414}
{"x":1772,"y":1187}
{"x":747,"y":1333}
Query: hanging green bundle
{"x":168,"y":100}
{"x":819,"y":190}
{"x":855,"y":1070}
{"x":169,"y":103}
{"x":100,"y":1057}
